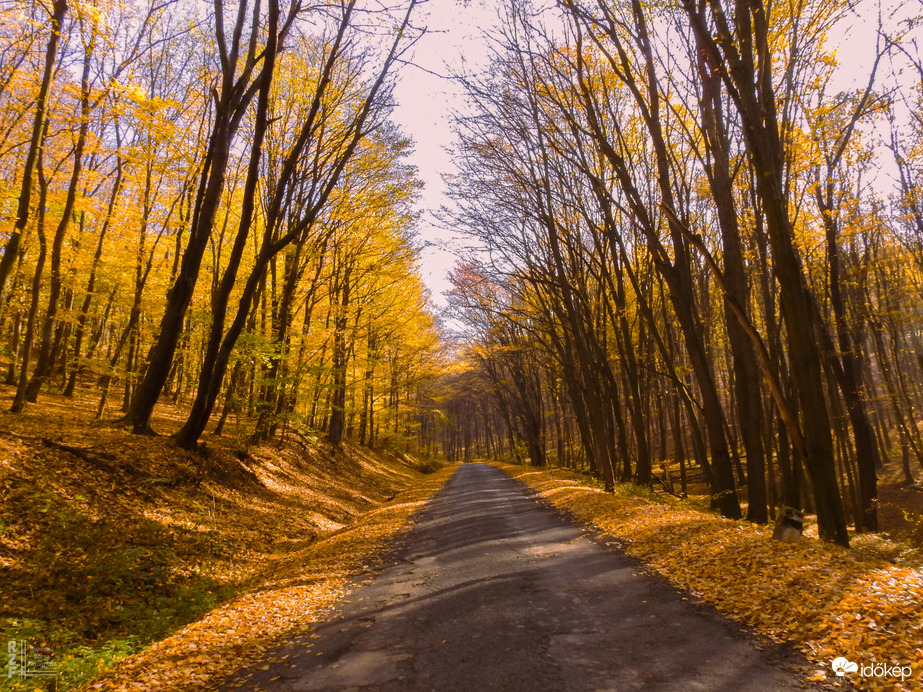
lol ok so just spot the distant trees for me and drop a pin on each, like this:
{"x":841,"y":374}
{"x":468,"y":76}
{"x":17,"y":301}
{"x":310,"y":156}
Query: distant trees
{"x":666,"y":211}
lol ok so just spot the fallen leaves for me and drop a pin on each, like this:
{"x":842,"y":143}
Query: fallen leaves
{"x":109,"y":541}
{"x":302,"y":585}
{"x":828,"y":601}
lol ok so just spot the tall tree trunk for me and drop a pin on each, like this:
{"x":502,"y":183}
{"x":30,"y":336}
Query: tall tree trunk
{"x":746,"y":369}
{"x":19,"y":400}
{"x":744,"y":59}
{"x":46,"y":356}
{"x":337,"y":430}
{"x":11,"y":250}
{"x":849,"y":374}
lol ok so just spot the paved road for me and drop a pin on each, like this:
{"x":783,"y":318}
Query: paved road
{"x":493,"y":591}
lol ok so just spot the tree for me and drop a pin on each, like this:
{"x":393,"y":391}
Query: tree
{"x":308,"y":176}
{"x":246,"y":69}
{"x":11,"y":249}
{"x":743,"y":56}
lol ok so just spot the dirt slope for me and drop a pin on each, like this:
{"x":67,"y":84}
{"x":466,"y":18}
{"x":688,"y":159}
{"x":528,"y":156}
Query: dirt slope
{"x":110,"y":541}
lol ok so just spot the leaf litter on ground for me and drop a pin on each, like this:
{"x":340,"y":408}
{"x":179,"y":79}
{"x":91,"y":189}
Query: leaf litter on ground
{"x":115,"y":545}
{"x":296,"y":589}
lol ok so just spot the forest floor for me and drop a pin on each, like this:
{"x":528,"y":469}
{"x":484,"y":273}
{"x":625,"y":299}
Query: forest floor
{"x":900,"y":506}
{"x":126,"y":563}
{"x":863,"y":603}
{"x":130,"y":564}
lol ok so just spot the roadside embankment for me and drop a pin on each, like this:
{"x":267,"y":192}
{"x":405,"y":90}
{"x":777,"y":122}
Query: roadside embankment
{"x":131,"y":564}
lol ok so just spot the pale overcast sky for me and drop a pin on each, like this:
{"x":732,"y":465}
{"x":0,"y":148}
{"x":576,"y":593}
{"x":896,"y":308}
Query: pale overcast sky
{"x":426,"y":101}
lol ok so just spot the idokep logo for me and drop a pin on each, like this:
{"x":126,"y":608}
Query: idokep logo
{"x":842,"y":666}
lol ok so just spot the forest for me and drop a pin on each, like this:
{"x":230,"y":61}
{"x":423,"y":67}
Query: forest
{"x":692,"y":245}
{"x":698,"y":248}
{"x":211,"y":205}
{"x":688,"y":293}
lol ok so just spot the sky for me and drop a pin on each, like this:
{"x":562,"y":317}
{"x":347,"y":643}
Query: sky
{"x":454,"y":41}
{"x":427,"y":99}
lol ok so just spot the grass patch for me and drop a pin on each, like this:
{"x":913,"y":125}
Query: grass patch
{"x":92,"y":590}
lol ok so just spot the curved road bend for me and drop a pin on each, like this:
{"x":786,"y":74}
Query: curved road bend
{"x":493,"y":591}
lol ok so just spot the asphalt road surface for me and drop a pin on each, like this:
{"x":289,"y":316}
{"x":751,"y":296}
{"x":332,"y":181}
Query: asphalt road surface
{"x":494,"y":591}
